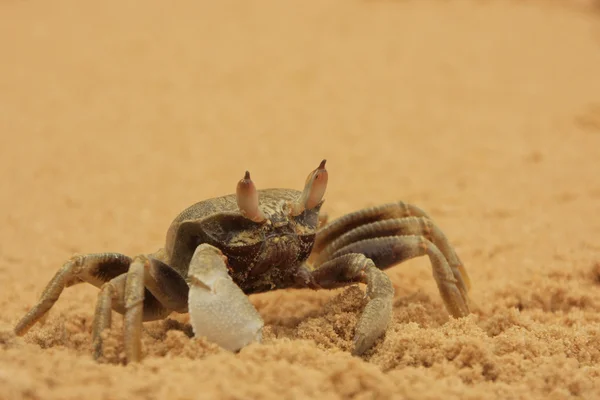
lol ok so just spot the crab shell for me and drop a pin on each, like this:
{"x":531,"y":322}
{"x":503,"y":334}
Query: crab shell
{"x":254,"y":257}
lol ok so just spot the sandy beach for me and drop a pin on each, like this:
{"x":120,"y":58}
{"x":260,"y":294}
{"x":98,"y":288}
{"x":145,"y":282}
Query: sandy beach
{"x":116,"y":115}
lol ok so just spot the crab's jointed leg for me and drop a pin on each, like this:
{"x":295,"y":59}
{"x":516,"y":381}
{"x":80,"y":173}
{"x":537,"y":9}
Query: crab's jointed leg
{"x":219,"y":309}
{"x":149,"y":291}
{"x":393,"y":220}
{"x":134,"y":309}
{"x":125,"y":293}
{"x":385,"y":236}
{"x":363,"y":261}
{"x":114,"y":289}
{"x":93,"y":268}
{"x":142,"y":289}
{"x":355,"y":219}
{"x":388,"y":251}
{"x":407,"y":226}
{"x":378,"y":311}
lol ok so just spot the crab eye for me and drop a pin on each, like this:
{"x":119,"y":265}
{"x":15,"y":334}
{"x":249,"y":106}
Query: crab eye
{"x":318,"y":185}
{"x":314,"y":189}
{"x":247,"y":199}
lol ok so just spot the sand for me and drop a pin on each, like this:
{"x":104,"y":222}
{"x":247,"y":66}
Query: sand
{"x":116,"y":115}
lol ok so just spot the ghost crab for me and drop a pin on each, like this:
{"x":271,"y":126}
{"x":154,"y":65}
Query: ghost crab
{"x":220,"y":250}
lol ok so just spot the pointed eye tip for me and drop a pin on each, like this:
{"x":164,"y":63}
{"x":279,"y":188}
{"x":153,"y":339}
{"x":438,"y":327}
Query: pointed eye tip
{"x":247,"y":176}
{"x":322,"y":165}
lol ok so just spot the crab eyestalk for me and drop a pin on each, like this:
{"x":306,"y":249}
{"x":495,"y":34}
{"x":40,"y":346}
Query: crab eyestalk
{"x":247,"y":199}
{"x":314,"y":189}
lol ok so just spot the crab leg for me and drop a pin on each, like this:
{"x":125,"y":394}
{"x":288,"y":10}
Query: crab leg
{"x":123,"y":295}
{"x":150,"y":290}
{"x":168,"y":287}
{"x":361,"y":217}
{"x":219,"y":309}
{"x":123,"y":286}
{"x":103,"y":313}
{"x":387,"y":251}
{"x":93,"y":268}
{"x":419,"y":226}
{"x":377,"y":313}
{"x":134,"y":309}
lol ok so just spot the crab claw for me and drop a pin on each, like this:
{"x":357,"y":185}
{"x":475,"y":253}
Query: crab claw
{"x":247,"y":199}
{"x":219,"y":309}
{"x":314,"y":189}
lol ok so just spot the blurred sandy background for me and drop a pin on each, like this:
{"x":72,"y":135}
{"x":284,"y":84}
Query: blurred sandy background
{"x":115,"y":115}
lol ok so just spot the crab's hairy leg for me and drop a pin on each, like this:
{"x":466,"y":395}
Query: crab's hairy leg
{"x":124,"y":293}
{"x":377,"y":313}
{"x":419,"y":226}
{"x":219,"y":309}
{"x":391,"y":250}
{"x":134,"y":309}
{"x":166,"y":285}
{"x":93,"y":268}
{"x":110,"y":291}
{"x":140,"y":305}
{"x":343,"y":224}
{"x":164,"y":291}
{"x":120,"y":281}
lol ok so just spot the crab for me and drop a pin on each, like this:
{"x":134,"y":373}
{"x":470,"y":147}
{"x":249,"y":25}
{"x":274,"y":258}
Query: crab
{"x":221,"y":250}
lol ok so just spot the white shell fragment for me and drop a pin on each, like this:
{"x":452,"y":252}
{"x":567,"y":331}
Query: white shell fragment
{"x":219,"y":309}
